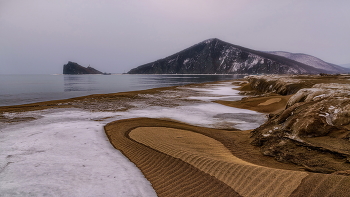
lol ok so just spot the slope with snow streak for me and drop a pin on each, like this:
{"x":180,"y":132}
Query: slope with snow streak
{"x":311,"y":61}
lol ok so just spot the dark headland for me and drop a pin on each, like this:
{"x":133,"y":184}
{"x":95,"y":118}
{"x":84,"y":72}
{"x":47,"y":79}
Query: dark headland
{"x":73,"y":68}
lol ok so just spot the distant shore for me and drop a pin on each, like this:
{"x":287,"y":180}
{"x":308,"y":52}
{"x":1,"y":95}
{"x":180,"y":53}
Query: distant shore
{"x":25,"y":89}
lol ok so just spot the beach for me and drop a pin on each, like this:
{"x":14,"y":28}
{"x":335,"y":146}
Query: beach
{"x":59,"y":147}
{"x":190,"y":140}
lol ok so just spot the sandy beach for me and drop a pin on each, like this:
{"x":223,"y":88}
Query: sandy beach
{"x":162,"y":150}
{"x":192,"y":140}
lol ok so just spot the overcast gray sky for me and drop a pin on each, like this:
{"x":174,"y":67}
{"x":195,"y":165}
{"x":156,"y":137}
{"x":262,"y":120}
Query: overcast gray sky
{"x":39,"y":36}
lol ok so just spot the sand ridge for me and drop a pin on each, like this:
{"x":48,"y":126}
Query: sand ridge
{"x":169,"y":176}
{"x":177,"y":142}
{"x":212,"y":157}
{"x":165,"y":161}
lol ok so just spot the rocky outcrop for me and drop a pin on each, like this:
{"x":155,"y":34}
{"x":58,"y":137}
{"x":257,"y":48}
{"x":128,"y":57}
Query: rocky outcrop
{"x":214,"y":56}
{"x":277,"y":84}
{"x":73,"y":68}
{"x":314,"y":129}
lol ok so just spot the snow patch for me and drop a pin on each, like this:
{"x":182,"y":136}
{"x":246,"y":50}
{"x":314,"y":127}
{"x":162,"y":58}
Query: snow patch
{"x":186,"y":61}
{"x":66,"y":153}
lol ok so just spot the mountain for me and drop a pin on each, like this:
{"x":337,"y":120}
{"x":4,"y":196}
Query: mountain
{"x":216,"y":56}
{"x":311,"y":61}
{"x":73,"y":68}
{"x":345,"y":65}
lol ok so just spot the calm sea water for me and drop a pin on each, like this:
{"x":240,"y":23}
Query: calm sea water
{"x":23,"y":89}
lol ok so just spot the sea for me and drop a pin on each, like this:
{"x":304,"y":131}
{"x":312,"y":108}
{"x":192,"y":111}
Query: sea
{"x":24,"y":89}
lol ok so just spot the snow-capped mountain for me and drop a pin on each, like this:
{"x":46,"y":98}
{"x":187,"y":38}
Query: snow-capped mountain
{"x":215,"y":56}
{"x":345,"y":65}
{"x":311,"y":61}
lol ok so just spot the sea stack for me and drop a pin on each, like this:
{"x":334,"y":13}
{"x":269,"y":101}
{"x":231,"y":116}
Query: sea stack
{"x":72,"y":68}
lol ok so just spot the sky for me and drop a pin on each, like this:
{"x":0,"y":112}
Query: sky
{"x":40,"y":36}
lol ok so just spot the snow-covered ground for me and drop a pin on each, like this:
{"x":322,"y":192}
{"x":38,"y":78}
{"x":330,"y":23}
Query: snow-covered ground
{"x":64,"y":152}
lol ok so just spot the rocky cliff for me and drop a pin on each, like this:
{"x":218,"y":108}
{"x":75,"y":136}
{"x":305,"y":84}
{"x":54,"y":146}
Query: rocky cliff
{"x":214,"y":56}
{"x":73,"y":68}
{"x":314,"y":129}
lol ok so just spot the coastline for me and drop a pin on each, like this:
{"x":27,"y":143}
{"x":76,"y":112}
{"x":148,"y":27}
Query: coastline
{"x":49,"y":142}
{"x":196,"y":108}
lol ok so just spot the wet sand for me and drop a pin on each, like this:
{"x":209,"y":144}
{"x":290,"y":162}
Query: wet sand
{"x":264,"y":104}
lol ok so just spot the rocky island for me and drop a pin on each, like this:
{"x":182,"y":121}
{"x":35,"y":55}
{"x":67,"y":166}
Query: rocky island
{"x":72,"y":68}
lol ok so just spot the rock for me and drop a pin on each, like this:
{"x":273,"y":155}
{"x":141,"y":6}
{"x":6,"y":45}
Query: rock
{"x":275,"y":83}
{"x":73,"y":68}
{"x":344,"y":173}
{"x":314,"y":129}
